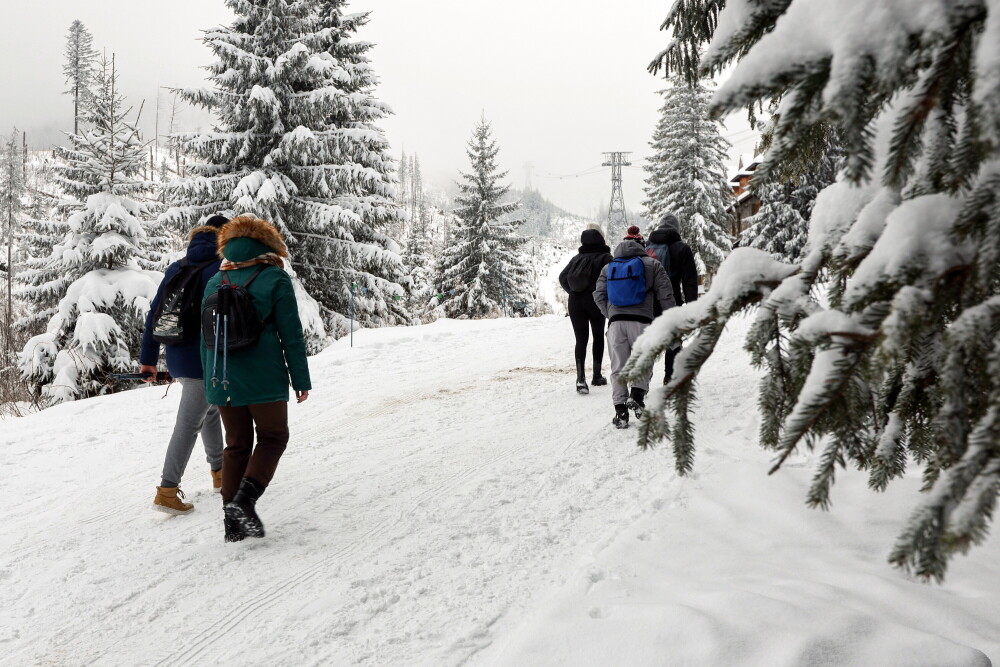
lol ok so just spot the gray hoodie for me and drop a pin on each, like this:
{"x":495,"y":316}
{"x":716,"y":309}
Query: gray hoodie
{"x":657,"y":287}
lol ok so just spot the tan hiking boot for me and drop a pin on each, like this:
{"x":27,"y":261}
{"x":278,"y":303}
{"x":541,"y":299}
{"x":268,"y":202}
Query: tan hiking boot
{"x":166,"y":501}
{"x":217,"y":480}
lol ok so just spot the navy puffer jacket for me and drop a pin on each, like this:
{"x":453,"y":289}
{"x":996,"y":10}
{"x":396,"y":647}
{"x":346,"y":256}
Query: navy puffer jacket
{"x":183,"y":360}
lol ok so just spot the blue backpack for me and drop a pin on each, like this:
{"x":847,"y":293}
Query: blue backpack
{"x":626,"y":282}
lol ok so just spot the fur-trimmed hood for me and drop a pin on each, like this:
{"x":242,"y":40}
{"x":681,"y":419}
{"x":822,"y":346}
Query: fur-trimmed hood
{"x":252,"y":228}
{"x":203,"y":229}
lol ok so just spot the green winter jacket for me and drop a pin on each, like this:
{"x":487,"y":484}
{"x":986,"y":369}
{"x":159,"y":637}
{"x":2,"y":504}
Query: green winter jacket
{"x":260,"y":374}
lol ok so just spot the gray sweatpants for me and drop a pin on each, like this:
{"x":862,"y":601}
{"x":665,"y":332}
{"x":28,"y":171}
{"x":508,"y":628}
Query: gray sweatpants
{"x":194,"y":416}
{"x":621,"y":336}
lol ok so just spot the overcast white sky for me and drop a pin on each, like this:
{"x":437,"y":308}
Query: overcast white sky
{"x":561,"y":80}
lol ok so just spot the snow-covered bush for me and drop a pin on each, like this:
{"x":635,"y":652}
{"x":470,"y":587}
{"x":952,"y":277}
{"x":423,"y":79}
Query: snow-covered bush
{"x":903,"y":364}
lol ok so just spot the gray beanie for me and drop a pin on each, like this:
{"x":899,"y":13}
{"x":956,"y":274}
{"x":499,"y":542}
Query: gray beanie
{"x":670,"y":221}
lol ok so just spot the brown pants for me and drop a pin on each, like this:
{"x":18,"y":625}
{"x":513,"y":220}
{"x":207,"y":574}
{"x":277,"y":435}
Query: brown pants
{"x":240,"y":458}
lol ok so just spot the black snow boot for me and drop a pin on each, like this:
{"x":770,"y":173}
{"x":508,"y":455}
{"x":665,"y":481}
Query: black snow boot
{"x":234,"y":531}
{"x":621,"y":416}
{"x":241,"y":508}
{"x":599,"y":380}
{"x":636,"y":403}
{"x":581,"y":378}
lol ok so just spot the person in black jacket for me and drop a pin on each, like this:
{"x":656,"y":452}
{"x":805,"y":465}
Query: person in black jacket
{"x":579,"y":279}
{"x":665,"y":244}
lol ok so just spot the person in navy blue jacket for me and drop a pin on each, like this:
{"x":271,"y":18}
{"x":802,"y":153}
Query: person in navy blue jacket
{"x":194,"y":415}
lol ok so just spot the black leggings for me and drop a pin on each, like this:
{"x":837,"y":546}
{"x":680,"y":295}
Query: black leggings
{"x":586,"y":317}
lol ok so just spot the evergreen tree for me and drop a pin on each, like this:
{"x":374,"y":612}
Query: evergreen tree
{"x":781,"y":226}
{"x":419,"y":259}
{"x":777,"y":228}
{"x":97,"y":269}
{"x":900,"y":365}
{"x":403,"y":191}
{"x":297,"y":144}
{"x":482,"y":271}
{"x":416,"y":188}
{"x":687,"y":173}
{"x":79,"y":69}
{"x":12,"y":194}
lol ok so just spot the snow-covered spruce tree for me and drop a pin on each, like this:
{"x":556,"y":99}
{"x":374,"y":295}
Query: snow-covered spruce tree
{"x":419,"y":260}
{"x":43,"y":225}
{"x":687,"y":173}
{"x":781,"y":226}
{"x":79,"y":68}
{"x":297,"y":145}
{"x":482,"y":271}
{"x":12,"y":195}
{"x":903,"y":365}
{"x":97,"y":324}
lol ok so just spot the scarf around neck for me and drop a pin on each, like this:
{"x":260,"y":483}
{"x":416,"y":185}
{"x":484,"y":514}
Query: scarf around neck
{"x":267,"y":258}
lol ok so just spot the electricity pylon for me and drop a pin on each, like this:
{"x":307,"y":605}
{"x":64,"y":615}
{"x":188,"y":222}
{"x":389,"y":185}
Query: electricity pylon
{"x":617,"y":220}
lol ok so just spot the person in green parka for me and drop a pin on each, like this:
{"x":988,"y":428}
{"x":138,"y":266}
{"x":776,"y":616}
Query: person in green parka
{"x":255,"y":392}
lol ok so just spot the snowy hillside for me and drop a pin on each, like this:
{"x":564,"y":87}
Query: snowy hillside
{"x":447,"y":498}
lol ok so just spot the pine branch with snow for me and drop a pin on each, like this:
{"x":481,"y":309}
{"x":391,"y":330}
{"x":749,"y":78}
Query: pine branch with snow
{"x":900,"y":365}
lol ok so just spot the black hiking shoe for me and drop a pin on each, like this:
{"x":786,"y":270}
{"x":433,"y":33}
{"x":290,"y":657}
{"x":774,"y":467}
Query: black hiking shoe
{"x":599,"y":380}
{"x":234,"y":531}
{"x":621,"y":416}
{"x":636,"y":403}
{"x":242,"y":508}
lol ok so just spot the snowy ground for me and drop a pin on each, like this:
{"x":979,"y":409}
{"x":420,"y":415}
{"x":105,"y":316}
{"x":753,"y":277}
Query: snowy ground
{"x":446,"y":499}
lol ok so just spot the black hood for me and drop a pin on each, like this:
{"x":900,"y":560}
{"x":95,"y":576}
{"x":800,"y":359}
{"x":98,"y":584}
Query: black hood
{"x":592,"y":241}
{"x":664,"y":236}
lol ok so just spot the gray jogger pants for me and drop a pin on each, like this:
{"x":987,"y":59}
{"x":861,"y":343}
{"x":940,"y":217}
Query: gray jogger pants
{"x":622,"y":334}
{"x":194,"y":416}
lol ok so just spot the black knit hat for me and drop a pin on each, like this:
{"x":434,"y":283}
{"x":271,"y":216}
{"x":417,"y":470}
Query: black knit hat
{"x":217,"y":221}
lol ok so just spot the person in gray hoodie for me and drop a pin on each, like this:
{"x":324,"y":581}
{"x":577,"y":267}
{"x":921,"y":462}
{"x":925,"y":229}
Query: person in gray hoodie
{"x":627,"y":322}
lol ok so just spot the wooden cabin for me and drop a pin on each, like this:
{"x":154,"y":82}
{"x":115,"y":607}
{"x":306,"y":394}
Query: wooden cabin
{"x":746,"y":203}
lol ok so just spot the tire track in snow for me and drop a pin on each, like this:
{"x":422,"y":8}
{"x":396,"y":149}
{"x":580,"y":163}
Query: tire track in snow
{"x":204,"y":639}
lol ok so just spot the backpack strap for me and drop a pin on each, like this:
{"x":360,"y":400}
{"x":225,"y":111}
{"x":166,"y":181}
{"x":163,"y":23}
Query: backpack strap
{"x":255,"y":274}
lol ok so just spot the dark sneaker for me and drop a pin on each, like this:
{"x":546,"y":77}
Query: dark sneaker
{"x":599,"y":381}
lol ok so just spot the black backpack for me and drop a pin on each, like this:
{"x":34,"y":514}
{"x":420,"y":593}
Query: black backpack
{"x":229,"y":320}
{"x":579,"y":275}
{"x":176,"y":318}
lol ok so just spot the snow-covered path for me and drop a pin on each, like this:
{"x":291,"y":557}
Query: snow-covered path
{"x":446,"y":498}
{"x":438,"y":477}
